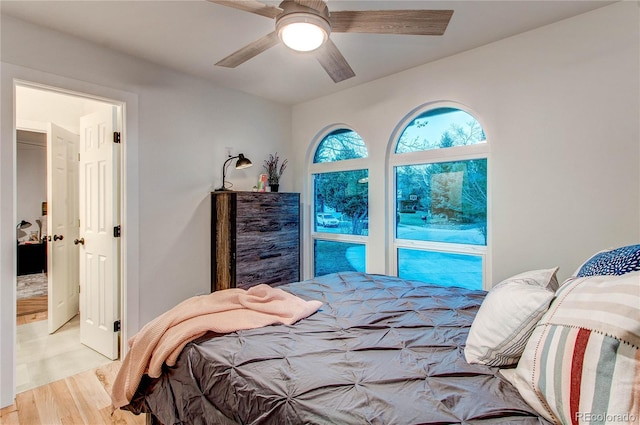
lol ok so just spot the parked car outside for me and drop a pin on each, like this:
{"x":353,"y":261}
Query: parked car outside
{"x":327,"y":220}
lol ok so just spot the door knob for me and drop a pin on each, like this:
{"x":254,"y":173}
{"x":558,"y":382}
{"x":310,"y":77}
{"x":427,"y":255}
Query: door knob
{"x":58,"y":238}
{"x":79,"y":241}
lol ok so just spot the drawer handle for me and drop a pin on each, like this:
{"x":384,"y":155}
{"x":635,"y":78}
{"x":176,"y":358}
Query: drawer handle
{"x":265,"y":256}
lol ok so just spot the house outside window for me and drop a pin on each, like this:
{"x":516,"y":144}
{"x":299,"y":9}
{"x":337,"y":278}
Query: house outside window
{"x":340,"y":193}
{"x":439,"y":212}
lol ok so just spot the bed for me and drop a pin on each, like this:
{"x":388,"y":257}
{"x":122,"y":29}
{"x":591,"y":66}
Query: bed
{"x":381,"y":350}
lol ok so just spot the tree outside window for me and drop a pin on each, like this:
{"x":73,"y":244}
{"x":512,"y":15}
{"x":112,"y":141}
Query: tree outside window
{"x":341,"y":200}
{"x":442,"y":203}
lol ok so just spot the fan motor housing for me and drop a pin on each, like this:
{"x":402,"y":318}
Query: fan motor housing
{"x":295,"y":13}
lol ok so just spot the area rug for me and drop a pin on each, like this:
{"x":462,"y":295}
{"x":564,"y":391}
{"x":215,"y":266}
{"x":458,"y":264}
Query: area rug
{"x":32,"y":285}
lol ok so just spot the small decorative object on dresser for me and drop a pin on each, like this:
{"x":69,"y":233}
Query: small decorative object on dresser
{"x":255,"y":238}
{"x":274,"y":173}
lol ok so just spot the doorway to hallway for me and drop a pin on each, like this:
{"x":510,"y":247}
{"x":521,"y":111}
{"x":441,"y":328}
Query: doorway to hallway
{"x":69,"y":287}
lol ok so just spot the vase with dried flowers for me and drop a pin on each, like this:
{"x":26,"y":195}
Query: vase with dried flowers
{"x":274,"y":172}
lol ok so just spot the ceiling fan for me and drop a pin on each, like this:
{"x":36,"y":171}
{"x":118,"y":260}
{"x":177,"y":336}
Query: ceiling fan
{"x":305,"y":25}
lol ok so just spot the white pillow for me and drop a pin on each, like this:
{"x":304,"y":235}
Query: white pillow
{"x":507,"y":317}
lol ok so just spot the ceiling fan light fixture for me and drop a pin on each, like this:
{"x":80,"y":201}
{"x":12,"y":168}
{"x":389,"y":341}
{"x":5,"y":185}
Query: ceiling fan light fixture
{"x":303,"y":32}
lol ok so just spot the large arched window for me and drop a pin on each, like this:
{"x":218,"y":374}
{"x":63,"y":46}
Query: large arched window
{"x":439,"y":169}
{"x":340,"y":188}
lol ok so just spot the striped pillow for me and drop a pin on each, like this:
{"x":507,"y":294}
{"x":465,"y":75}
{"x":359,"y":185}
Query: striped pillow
{"x":582,"y":362}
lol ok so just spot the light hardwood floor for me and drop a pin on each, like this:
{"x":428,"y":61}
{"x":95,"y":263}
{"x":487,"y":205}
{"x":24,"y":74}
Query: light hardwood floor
{"x":78,"y":399}
{"x":33,"y":307}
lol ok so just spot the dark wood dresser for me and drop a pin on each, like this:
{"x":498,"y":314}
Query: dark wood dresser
{"x":255,"y":238}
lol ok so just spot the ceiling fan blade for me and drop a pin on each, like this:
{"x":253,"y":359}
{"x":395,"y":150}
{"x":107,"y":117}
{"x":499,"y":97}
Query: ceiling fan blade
{"x":333,"y":62}
{"x":406,"y":22}
{"x":252,"y":6}
{"x":249,"y":51}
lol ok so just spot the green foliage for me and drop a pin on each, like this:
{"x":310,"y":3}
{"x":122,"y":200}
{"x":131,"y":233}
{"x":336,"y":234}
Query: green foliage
{"x":340,"y":145}
{"x":345,"y":192}
{"x":452,"y":191}
{"x":273,"y":171}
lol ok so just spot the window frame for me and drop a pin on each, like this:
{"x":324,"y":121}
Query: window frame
{"x":329,"y":167}
{"x":451,"y":154}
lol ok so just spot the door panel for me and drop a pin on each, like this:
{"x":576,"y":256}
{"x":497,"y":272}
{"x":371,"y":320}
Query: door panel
{"x":99,"y":255}
{"x":62,"y":225}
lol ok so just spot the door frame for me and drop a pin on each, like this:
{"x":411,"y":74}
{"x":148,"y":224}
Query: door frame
{"x":12,"y":76}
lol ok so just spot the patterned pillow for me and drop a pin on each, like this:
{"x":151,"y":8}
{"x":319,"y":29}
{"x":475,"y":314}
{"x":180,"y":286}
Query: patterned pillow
{"x":507,"y":317}
{"x":614,"y":262}
{"x":582,"y":362}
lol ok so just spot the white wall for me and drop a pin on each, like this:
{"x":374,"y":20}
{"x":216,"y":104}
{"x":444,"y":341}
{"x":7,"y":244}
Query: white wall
{"x":31,"y":185}
{"x":560,"y":107}
{"x":182,"y":127}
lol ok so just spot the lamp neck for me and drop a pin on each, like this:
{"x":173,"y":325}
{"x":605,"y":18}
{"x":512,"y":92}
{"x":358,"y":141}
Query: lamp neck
{"x":224,"y":171}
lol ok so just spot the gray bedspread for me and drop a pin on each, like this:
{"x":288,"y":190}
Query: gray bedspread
{"x":381,"y":350}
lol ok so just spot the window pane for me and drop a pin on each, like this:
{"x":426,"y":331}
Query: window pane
{"x":339,"y":145}
{"x":440,"y":128}
{"x":442,"y":202}
{"x":341,"y":202}
{"x":333,"y":257}
{"x":441,"y":268}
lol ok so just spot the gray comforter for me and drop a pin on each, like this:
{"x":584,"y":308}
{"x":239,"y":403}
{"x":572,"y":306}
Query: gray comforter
{"x":381,"y":350}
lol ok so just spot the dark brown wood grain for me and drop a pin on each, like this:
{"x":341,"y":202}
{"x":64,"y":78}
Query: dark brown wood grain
{"x":255,"y":239}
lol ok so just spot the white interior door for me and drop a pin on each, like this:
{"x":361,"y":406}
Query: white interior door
{"x":99,"y":214}
{"x":62,"y":225}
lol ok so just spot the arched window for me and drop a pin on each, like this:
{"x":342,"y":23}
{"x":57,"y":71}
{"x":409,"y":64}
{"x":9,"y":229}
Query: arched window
{"x":340,"y":145}
{"x":340,"y":187}
{"x":440,"y":207}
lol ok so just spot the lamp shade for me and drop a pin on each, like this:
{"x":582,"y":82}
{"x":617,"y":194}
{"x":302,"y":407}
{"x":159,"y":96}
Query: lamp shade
{"x":243,"y":162}
{"x":23,"y":224}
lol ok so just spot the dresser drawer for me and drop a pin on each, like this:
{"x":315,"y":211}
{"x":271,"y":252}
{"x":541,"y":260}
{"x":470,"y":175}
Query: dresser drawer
{"x":275,"y":268}
{"x":267,"y":205}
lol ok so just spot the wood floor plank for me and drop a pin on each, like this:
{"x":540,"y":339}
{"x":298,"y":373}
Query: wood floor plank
{"x":30,"y":318}
{"x":48,"y":408}
{"x":67,"y":408}
{"x":93,"y":389}
{"x":9,"y":416}
{"x":27,"y":409}
{"x":31,"y":305}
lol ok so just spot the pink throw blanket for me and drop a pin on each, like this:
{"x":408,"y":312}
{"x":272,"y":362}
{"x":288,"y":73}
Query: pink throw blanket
{"x":161,"y":340}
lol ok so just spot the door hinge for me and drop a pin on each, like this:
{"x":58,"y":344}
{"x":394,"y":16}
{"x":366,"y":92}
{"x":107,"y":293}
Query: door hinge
{"x":116,"y":137}
{"x":116,"y":326}
{"x":116,"y":231}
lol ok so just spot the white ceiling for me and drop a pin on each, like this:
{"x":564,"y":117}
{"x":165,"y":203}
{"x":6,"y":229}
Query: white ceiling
{"x":191,"y":35}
